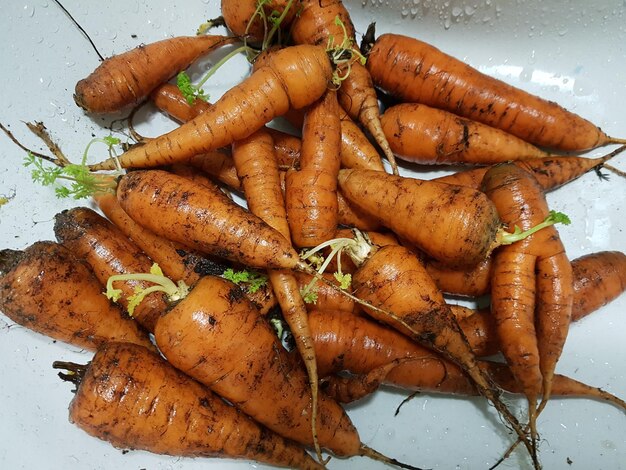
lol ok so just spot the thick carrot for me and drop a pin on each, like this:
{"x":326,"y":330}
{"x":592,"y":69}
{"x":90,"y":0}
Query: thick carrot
{"x":551,"y":172}
{"x":418,"y":72}
{"x":228,"y":346}
{"x":311,"y":190}
{"x":293,"y":77}
{"x":176,"y":260}
{"x":109,"y":252}
{"x":472,"y":281}
{"x":453,"y":224}
{"x":202,"y":217}
{"x":258,"y":169}
{"x":420,"y":134}
{"x":316,"y":24}
{"x":128,"y":78}
{"x":46,"y":289}
{"x":132,"y":398}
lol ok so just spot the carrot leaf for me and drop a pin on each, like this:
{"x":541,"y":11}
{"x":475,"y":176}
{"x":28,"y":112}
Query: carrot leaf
{"x":253,"y":280}
{"x":554,"y":217}
{"x":190,"y":91}
{"x":344,"y":280}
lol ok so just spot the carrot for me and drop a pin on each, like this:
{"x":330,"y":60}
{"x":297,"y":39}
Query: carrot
{"x":128,"y":78}
{"x":418,"y":72}
{"x":230,"y":348}
{"x":293,"y":77}
{"x":472,"y":281}
{"x":310,"y":192}
{"x":46,"y":289}
{"x":132,"y":398}
{"x":350,"y":215}
{"x":420,"y":134}
{"x":551,"y":172}
{"x":356,"y":149}
{"x":109,"y":252}
{"x":531,"y":285}
{"x":250,"y":18}
{"x":346,"y":342}
{"x":168,"y":98}
{"x":453,"y":224}
{"x":326,"y":298}
{"x":388,"y":279}
{"x":317,"y":23}
{"x":257,"y":168}
{"x":175,"y":259}
{"x":598,"y":279}
{"x":203,"y":218}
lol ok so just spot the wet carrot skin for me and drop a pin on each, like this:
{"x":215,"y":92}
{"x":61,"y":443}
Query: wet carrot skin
{"x":128,"y":78}
{"x":228,"y":346}
{"x":132,"y":398}
{"x":109,"y":252}
{"x":418,"y":72}
{"x":48,"y":290}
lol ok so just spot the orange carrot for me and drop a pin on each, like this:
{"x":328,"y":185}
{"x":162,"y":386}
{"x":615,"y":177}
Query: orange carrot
{"x":168,"y":98}
{"x":377,"y":354}
{"x":453,"y":224}
{"x":249,"y":18}
{"x":293,"y":77}
{"x":531,"y":285}
{"x":316,"y":23}
{"x":257,"y":168}
{"x":310,"y":191}
{"x":48,"y":290}
{"x":132,"y":398}
{"x":418,"y":72}
{"x":109,"y":252}
{"x":421,"y":134}
{"x":551,"y":172}
{"x":128,"y":78}
{"x":175,"y":259}
{"x":388,"y":279}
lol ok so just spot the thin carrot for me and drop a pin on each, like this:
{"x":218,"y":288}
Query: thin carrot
{"x":48,"y":290}
{"x":132,"y":398}
{"x":418,"y":72}
{"x":420,"y":134}
{"x":293,"y":77}
{"x":311,"y":190}
{"x":551,"y":172}
{"x":258,"y":170}
{"x":128,"y":78}
{"x":168,"y":98}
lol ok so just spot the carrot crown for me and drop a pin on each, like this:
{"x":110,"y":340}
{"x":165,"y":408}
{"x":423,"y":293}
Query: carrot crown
{"x":507,"y":238}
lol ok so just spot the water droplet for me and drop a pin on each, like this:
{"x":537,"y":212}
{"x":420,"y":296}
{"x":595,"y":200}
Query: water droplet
{"x":470,"y":10}
{"x":44,"y":4}
{"x":457,"y":11}
{"x":447,"y":23}
{"x":526,"y":74}
{"x":563,"y":32}
{"x":29,"y":10}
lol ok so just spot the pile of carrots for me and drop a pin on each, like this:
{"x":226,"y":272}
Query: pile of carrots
{"x":357,"y":261}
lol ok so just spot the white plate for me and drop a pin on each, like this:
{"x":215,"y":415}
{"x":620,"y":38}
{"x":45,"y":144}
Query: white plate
{"x":570,"y":52}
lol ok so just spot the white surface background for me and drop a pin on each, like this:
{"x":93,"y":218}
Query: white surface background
{"x":567,"y":51}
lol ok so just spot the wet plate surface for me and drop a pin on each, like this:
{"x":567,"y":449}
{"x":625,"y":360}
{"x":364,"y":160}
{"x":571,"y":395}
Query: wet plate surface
{"x":569,"y":52}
